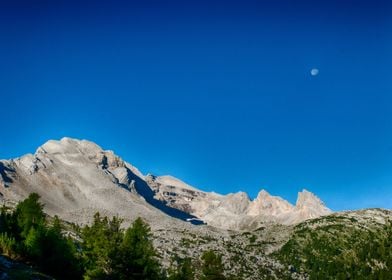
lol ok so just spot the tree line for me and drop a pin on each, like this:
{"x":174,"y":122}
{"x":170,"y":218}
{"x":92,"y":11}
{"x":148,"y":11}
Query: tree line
{"x":102,"y":250}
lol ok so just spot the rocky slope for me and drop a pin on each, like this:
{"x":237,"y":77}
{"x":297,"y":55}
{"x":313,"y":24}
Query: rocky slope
{"x":76,"y":178}
{"x":346,"y":245}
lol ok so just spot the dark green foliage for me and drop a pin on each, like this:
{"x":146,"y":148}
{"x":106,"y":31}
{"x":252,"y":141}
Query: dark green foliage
{"x":183,"y":271}
{"x":108,"y":253}
{"x":138,"y":254}
{"x":30,"y":215}
{"x":8,"y":223}
{"x":59,"y":253}
{"x":101,"y":243}
{"x":252,"y":238}
{"x":340,"y":250}
{"x":212,"y":266}
{"x":33,"y":242}
{"x":24,"y":234}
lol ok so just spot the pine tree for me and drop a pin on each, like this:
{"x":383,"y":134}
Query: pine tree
{"x":31,"y":226}
{"x":33,"y":243}
{"x":29,"y":214}
{"x":183,"y":271}
{"x":212,"y":267}
{"x":138,"y":256}
{"x":101,"y":244}
{"x":59,"y":254}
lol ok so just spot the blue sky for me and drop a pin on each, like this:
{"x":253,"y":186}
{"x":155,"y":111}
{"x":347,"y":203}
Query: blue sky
{"x":217,"y":93}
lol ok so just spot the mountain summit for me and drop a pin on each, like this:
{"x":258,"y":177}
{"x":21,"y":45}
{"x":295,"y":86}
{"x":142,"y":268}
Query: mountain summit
{"x":77,"y":178}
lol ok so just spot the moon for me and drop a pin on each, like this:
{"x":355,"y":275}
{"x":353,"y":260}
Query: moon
{"x":314,"y":72}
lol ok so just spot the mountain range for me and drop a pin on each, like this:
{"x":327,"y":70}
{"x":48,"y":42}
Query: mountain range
{"x":263,"y":238}
{"x":76,"y":178}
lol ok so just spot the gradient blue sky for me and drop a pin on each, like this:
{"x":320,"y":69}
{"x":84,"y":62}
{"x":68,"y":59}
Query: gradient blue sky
{"x":218,"y":93}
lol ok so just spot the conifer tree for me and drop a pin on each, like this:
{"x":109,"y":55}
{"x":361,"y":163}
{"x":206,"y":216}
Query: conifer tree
{"x":101,"y":243}
{"x":183,"y":271}
{"x":138,"y":256}
{"x":212,"y":267}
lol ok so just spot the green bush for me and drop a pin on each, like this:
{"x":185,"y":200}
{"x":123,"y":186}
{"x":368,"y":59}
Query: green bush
{"x":7,"y":244}
{"x":212,"y":266}
{"x":183,"y":271}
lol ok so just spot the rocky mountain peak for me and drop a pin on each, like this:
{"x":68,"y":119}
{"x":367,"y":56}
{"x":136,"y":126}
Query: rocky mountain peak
{"x":307,"y":199}
{"x":310,"y":205}
{"x":263,"y":195}
{"x":242,"y":195}
{"x":236,"y":203}
{"x":69,"y":146}
{"x":266,"y":204}
{"x":75,"y":151}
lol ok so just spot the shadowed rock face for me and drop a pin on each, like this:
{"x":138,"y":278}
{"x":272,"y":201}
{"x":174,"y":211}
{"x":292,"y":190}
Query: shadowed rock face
{"x":143,"y":189}
{"x":5,"y":178}
{"x":76,"y":178}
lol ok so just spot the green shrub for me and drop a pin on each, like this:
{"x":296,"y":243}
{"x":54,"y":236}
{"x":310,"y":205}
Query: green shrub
{"x":7,"y":244}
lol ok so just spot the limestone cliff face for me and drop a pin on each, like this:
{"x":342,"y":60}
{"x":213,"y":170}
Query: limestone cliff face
{"x":309,"y":206}
{"x":77,"y":178}
{"x":266,"y":204}
{"x":235,"y":211}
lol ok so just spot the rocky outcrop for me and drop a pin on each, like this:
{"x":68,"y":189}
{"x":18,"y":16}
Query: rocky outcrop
{"x":308,"y":201}
{"x":309,"y":206}
{"x":266,"y":204}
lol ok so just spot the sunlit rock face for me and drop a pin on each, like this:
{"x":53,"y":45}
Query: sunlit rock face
{"x":235,"y":211}
{"x":77,"y":178}
{"x":266,"y":204}
{"x":310,"y":206}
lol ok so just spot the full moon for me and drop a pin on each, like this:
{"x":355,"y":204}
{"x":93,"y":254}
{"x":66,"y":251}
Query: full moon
{"x":314,"y":72}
